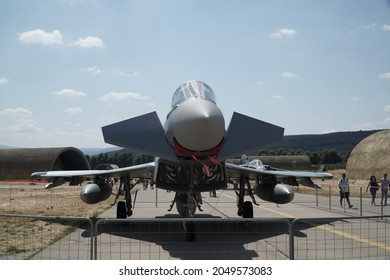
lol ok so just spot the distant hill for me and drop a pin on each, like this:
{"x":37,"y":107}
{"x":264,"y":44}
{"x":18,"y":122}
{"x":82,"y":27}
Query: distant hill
{"x":344,"y":142}
{"x":96,"y":151}
{"x":87,"y":151}
{"x":4,"y":147}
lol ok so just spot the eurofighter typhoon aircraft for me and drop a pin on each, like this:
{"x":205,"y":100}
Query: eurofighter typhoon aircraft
{"x":191,"y":150}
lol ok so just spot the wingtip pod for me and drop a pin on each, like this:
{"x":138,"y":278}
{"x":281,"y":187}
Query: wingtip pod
{"x":50,"y":186}
{"x":56,"y":181}
{"x":38,"y":175}
{"x":326,"y":176}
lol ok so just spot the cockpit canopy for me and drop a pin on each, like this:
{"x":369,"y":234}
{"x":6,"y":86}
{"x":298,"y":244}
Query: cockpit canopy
{"x":193,"y":89}
{"x":256,"y":163}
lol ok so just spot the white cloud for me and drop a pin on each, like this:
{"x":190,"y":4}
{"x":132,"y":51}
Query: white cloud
{"x":372,"y":25}
{"x":289,"y":75}
{"x":131,"y":75}
{"x":384,"y":76}
{"x":117,"y":96}
{"x":22,"y":126}
{"x":73,"y":111}
{"x":3,"y":81}
{"x":39,"y":36}
{"x":277,"y":97}
{"x":355,"y":99}
{"x":75,"y":2}
{"x":94,"y":69}
{"x":89,"y":42}
{"x":387,"y":108}
{"x":386,"y":27}
{"x":42,"y":37}
{"x":16,"y":112}
{"x":283,"y":33}
{"x":69,"y":93}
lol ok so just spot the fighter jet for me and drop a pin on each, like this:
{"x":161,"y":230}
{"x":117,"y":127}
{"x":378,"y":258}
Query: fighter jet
{"x":191,"y":151}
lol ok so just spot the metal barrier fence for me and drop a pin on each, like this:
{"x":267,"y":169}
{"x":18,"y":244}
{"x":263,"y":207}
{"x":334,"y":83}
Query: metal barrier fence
{"x":41,"y":237}
{"x":344,"y":238}
{"x":328,"y":198}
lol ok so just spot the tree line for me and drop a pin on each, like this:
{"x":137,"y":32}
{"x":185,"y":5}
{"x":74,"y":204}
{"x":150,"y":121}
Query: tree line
{"x":121,"y":159}
{"x":330,"y":157}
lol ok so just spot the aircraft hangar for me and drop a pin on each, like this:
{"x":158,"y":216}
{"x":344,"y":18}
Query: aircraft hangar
{"x":17,"y":164}
{"x":370,"y":157}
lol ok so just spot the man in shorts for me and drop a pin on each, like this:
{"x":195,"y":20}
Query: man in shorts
{"x":344,"y":190}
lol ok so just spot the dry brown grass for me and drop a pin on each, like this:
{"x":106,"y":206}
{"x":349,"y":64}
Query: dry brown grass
{"x":27,"y":235}
{"x":357,"y":187}
{"x":18,"y":198}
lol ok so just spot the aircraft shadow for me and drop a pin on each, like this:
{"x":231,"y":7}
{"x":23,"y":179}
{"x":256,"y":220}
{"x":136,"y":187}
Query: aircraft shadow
{"x":216,"y":238}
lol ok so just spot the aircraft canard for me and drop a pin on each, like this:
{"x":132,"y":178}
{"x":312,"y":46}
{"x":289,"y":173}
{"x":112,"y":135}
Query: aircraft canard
{"x":246,"y":134}
{"x":143,"y":134}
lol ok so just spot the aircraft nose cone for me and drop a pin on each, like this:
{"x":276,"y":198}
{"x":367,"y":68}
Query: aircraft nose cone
{"x":199,"y":125}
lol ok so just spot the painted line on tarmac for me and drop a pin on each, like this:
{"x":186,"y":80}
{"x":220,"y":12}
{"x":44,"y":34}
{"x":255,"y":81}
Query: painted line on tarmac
{"x":355,"y":237}
{"x":326,"y":228}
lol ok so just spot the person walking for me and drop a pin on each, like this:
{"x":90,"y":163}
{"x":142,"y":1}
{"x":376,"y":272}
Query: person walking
{"x":374,"y":187}
{"x":344,"y":190}
{"x":385,"y":183}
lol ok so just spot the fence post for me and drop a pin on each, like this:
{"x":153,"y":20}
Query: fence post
{"x":291,"y":239}
{"x":361,"y":201}
{"x":156,"y":197}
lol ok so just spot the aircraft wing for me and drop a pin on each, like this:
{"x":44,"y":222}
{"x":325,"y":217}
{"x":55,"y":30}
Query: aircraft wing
{"x":145,"y":170}
{"x":286,"y":176}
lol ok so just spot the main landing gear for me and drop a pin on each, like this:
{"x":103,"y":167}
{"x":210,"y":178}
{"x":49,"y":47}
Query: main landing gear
{"x":124,"y":209}
{"x":245,"y":208}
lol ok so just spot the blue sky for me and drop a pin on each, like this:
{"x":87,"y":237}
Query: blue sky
{"x":69,"y":67}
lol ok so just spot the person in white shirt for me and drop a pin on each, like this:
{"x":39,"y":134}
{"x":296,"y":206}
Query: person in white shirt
{"x":344,"y":190}
{"x":385,"y":189}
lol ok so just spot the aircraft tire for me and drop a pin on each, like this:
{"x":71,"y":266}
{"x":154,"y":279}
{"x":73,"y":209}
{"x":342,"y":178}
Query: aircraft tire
{"x":247,"y":211}
{"x":121,"y":210}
